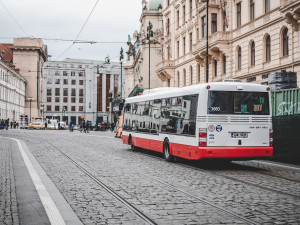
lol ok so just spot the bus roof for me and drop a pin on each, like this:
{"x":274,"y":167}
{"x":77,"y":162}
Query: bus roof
{"x":195,"y":89}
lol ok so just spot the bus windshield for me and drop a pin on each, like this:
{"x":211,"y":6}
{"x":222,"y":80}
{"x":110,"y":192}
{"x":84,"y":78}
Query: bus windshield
{"x":234,"y":102}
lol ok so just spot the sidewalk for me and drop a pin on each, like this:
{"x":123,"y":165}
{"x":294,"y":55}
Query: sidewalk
{"x":27,"y":195}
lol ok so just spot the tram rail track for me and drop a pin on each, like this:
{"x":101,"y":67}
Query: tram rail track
{"x":130,"y":206}
{"x":229,"y":177}
{"x":138,"y":212}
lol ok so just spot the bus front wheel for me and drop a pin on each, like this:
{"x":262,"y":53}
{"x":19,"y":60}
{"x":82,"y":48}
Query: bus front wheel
{"x":167,"y":153}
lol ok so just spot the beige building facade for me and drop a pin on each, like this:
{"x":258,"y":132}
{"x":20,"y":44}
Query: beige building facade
{"x":247,"y":40}
{"x":136,"y":63}
{"x":29,"y":56}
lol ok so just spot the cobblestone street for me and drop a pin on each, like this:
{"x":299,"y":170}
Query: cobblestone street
{"x":86,"y":166}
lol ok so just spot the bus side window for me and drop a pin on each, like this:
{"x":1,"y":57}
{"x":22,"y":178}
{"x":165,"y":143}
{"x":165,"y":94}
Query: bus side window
{"x":188,"y":121}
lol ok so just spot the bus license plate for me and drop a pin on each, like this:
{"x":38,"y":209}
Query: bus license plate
{"x":239,"y":135}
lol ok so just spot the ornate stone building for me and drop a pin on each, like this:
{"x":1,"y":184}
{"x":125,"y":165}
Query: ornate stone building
{"x":247,"y":40}
{"x":12,"y":92}
{"x":29,"y":55}
{"x":137,"y":62}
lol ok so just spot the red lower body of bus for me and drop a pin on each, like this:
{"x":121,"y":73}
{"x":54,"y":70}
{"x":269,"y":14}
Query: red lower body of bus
{"x":196,"y":153}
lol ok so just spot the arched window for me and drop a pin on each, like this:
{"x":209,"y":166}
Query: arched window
{"x":252,"y":53}
{"x":224,"y":64}
{"x":178,"y":79}
{"x":239,"y":58}
{"x":169,"y":82}
{"x":184,"y":77}
{"x":216,"y":68}
{"x":268,"y":48}
{"x":198,"y":73}
{"x":191,"y":75}
{"x":252,"y":9}
{"x":285,"y":42}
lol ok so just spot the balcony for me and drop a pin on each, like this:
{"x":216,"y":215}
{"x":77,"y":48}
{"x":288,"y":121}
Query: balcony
{"x":218,"y":43}
{"x":165,"y":69}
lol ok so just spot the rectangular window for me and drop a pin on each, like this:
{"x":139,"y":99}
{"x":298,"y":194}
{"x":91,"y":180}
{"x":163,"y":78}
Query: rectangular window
{"x":80,"y":100}
{"x":178,"y":17}
{"x":216,"y":67}
{"x":197,"y":33}
{"x":183,"y":45}
{"x":224,"y":64}
{"x":80,"y":108}
{"x":49,"y":108}
{"x":49,"y":80}
{"x":73,"y":82}
{"x":72,"y":65}
{"x":65,"y":99}
{"x":65,"y":73}
{"x":80,"y":92}
{"x":213,"y":23}
{"x":238,"y":15}
{"x":72,"y":73}
{"x":57,"y":99}
{"x":203,"y":19}
{"x":57,"y":81}
{"x":80,"y":82}
{"x":57,"y":92}
{"x":191,"y":42}
{"x":73,"y":108}
{"x":73,"y":100}
{"x":57,"y":108}
{"x":65,"y":81}
{"x":177,"y":49}
{"x":79,"y":66}
{"x":57,"y":73}
{"x":267,"y":6}
{"x":65,"y":91}
{"x":183,"y":15}
{"x":80,"y":74}
{"x":49,"y":91}
{"x":73,"y":92}
{"x":233,"y":102}
{"x":224,"y":21}
{"x":252,"y":9}
{"x":48,"y":99}
{"x":191,"y":9}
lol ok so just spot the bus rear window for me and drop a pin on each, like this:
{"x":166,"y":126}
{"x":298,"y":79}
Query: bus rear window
{"x":233,"y":102}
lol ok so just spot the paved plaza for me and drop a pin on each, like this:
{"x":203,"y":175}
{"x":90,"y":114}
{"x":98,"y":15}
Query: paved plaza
{"x":92,"y":178}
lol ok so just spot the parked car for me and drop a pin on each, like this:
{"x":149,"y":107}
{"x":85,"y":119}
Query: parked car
{"x":36,"y":125}
{"x":92,"y":125}
{"x":62,"y":125}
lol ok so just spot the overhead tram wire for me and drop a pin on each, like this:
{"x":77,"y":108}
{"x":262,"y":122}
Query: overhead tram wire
{"x":13,"y":18}
{"x":79,"y":31}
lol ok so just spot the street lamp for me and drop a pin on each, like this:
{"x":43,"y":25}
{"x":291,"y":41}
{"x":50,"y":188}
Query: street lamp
{"x":98,"y":75}
{"x":30,"y":99}
{"x":149,"y":35}
{"x":207,"y":1}
{"x":121,"y":62}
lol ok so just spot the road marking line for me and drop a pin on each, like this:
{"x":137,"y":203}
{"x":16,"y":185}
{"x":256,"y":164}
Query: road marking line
{"x":49,"y":205}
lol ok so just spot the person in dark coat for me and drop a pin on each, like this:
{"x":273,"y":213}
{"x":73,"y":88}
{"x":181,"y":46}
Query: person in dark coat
{"x":87,"y":127}
{"x":11,"y":124}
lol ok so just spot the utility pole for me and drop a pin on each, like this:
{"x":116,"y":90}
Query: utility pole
{"x":207,"y":1}
{"x":150,"y":34}
{"x":121,"y":62}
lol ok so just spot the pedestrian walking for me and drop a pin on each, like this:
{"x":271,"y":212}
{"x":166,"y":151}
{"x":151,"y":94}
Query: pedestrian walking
{"x":46,"y":125}
{"x":71,"y":126}
{"x":87,"y":127}
{"x":15,"y":124}
{"x":112,"y":127}
{"x":11,"y":124}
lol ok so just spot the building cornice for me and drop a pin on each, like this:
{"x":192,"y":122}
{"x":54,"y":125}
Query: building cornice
{"x":13,"y":71}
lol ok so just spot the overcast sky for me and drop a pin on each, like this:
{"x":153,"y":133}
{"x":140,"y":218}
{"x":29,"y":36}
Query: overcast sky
{"x":112,"y":20}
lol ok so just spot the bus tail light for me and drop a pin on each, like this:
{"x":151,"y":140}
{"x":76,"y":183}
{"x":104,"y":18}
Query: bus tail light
{"x":271,"y":137}
{"x":202,"y":137}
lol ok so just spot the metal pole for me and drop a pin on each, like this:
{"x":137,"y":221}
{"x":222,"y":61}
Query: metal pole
{"x":30,"y":109}
{"x":121,"y":80}
{"x":149,"y":57}
{"x":207,"y":41}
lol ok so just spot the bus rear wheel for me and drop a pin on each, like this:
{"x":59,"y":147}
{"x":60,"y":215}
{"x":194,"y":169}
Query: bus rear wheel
{"x":167,"y":153}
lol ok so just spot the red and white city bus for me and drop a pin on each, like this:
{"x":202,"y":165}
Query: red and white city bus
{"x":215,"y":120}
